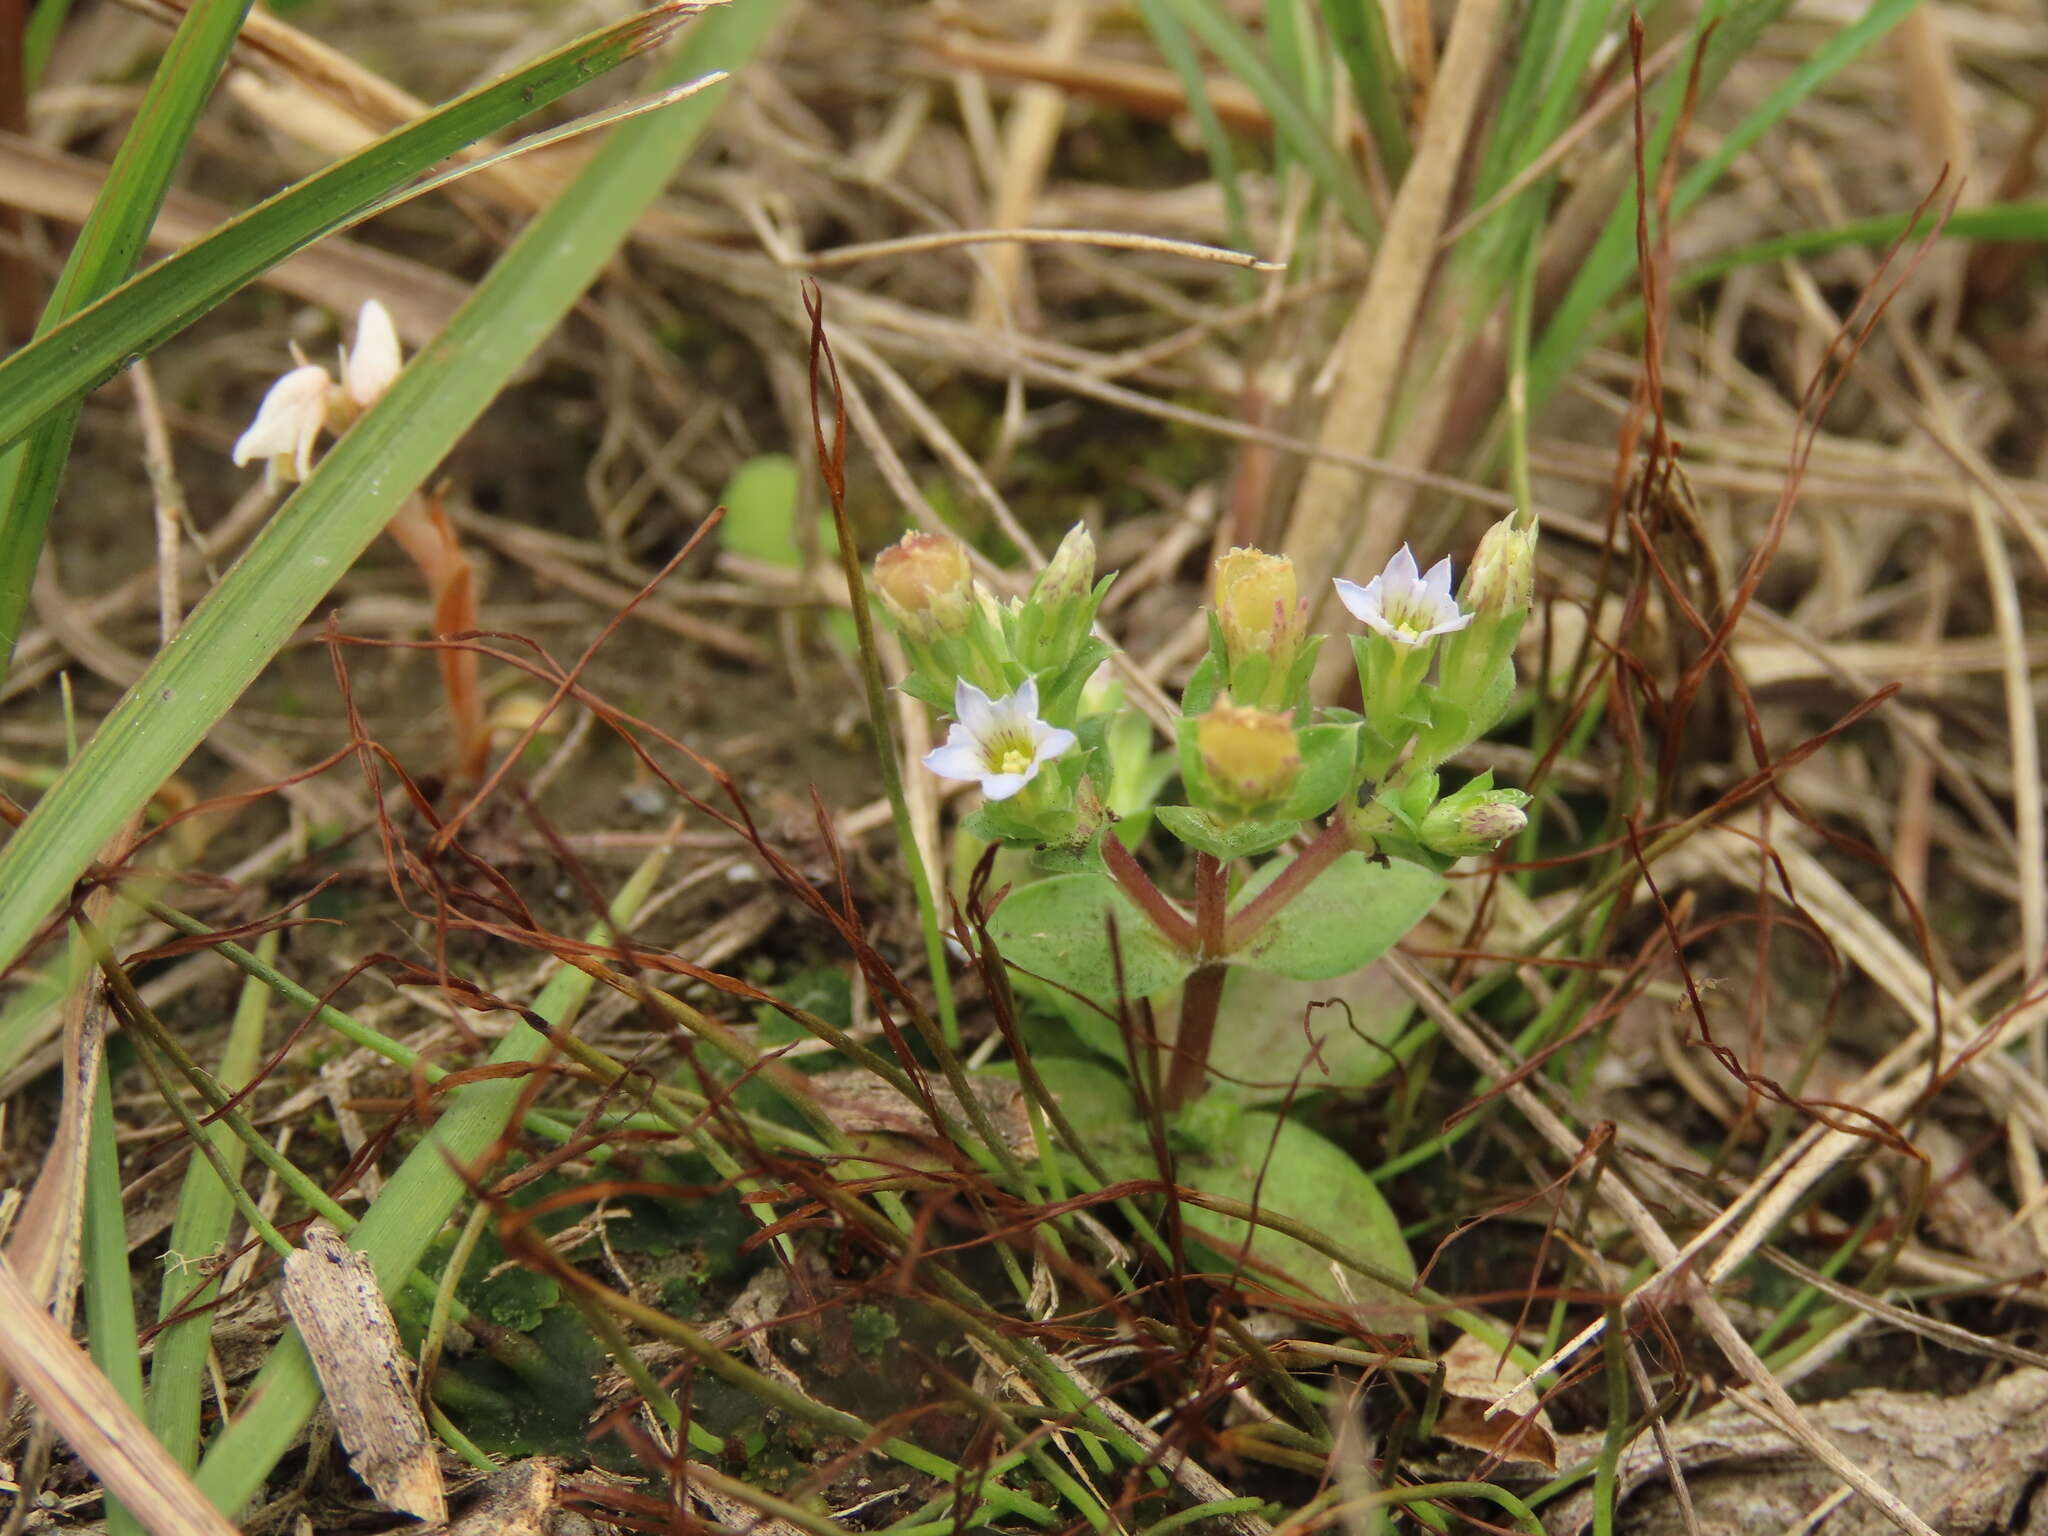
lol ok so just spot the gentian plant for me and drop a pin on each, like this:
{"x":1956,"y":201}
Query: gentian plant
{"x":1318,"y":836}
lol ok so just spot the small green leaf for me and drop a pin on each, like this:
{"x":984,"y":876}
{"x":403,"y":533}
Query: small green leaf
{"x":760,"y":513}
{"x":1329,"y":754}
{"x":1202,"y":831}
{"x":1353,"y":913}
{"x":1060,"y":929}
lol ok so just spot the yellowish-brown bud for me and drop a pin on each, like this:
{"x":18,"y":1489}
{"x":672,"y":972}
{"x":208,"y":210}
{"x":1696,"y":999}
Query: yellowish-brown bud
{"x":1257,"y":606}
{"x":925,"y":585}
{"x":1249,"y":755}
{"x":1501,"y":583}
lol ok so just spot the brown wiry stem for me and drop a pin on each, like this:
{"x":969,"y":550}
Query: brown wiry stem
{"x":1331,"y":844}
{"x":1159,"y":910}
{"x":1202,"y":997}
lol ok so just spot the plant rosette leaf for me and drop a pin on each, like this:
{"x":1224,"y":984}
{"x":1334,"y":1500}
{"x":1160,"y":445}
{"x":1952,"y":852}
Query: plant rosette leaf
{"x":1277,"y":1037}
{"x":1259,"y":1159}
{"x":1061,"y":928}
{"x":1349,"y":916}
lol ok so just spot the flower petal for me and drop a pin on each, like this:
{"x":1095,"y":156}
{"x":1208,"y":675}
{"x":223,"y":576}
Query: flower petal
{"x":1401,"y":570}
{"x":1050,"y":742}
{"x":973,"y":708}
{"x":1438,"y":582}
{"x":957,"y":759}
{"x":373,"y":362}
{"x":1024,"y":702}
{"x":289,"y":419}
{"x":1000,"y":786}
{"x":1363,"y":602}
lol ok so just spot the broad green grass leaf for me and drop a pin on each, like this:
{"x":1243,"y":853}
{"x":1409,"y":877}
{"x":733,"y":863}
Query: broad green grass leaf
{"x":1060,"y":929}
{"x":145,"y":312}
{"x":1349,"y":916}
{"x":314,"y":537}
{"x":177,"y":1367}
{"x":102,"y":257}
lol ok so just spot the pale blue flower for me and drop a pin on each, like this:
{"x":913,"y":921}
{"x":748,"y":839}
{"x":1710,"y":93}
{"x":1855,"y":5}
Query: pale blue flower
{"x":999,"y":742}
{"x":1407,"y":608}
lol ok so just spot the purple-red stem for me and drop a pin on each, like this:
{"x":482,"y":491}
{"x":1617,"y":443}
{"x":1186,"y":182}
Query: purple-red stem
{"x":1330,"y":845}
{"x":1202,"y":997}
{"x":1150,"y":900}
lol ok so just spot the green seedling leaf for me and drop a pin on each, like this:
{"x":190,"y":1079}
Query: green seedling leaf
{"x":760,"y":513}
{"x":1061,"y":929}
{"x":1242,"y":840}
{"x":1353,"y":913}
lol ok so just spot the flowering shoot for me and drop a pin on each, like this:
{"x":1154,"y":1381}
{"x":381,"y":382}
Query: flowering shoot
{"x":1407,"y":608}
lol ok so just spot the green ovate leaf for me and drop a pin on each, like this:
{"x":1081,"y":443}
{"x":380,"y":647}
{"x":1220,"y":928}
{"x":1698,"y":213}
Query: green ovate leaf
{"x":1329,"y":753}
{"x":1350,"y":915}
{"x":1205,"y":832}
{"x":1061,"y":929}
{"x":1262,"y":1160}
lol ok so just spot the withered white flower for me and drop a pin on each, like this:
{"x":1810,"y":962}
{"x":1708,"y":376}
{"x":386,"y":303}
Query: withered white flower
{"x":368,"y":367}
{"x":1407,"y":608}
{"x":1000,"y":742}
{"x":287,"y":423}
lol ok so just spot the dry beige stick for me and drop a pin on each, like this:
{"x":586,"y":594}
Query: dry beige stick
{"x":169,"y":497}
{"x":517,"y":1501}
{"x":331,"y":1292}
{"x":43,"y":1243}
{"x":1942,"y":131}
{"x":1002,"y":291}
{"x":1615,"y":1191}
{"x":1324,"y":527}
{"x":83,"y":1407}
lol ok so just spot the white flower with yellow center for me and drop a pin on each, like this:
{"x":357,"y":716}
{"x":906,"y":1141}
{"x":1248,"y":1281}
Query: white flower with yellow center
{"x":1409,"y":609}
{"x":1000,"y":742}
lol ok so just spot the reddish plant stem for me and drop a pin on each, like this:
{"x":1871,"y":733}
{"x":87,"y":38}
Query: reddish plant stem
{"x":1150,"y":900}
{"x":1331,"y":844}
{"x":1202,"y":997}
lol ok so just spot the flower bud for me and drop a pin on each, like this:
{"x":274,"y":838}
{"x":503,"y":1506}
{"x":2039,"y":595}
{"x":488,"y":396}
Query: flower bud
{"x":1249,"y":756}
{"x":1472,"y":822}
{"x":1071,"y":571}
{"x":1262,"y":620}
{"x":925,"y":585}
{"x":1502,"y":581}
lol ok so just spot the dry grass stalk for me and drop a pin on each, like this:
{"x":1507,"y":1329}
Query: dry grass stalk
{"x":83,"y":1407}
{"x":1324,"y":529}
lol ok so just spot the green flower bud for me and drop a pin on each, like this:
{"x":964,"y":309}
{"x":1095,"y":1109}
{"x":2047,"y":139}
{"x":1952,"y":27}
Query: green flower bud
{"x":1477,"y":819}
{"x":925,"y":585}
{"x":1250,"y":757}
{"x":1501,"y":585}
{"x":1071,"y":571}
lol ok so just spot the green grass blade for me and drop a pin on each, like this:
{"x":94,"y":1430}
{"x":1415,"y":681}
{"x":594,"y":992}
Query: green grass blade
{"x":109,"y":1290}
{"x":1332,"y":173}
{"x":2021,"y":223}
{"x":100,"y":260}
{"x":1358,"y":30}
{"x":235,"y":630}
{"x":90,"y":348}
{"x":177,"y":1369}
{"x":1178,"y":49}
{"x":417,"y":1200}
{"x":1613,"y":255}
{"x":39,"y":37}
